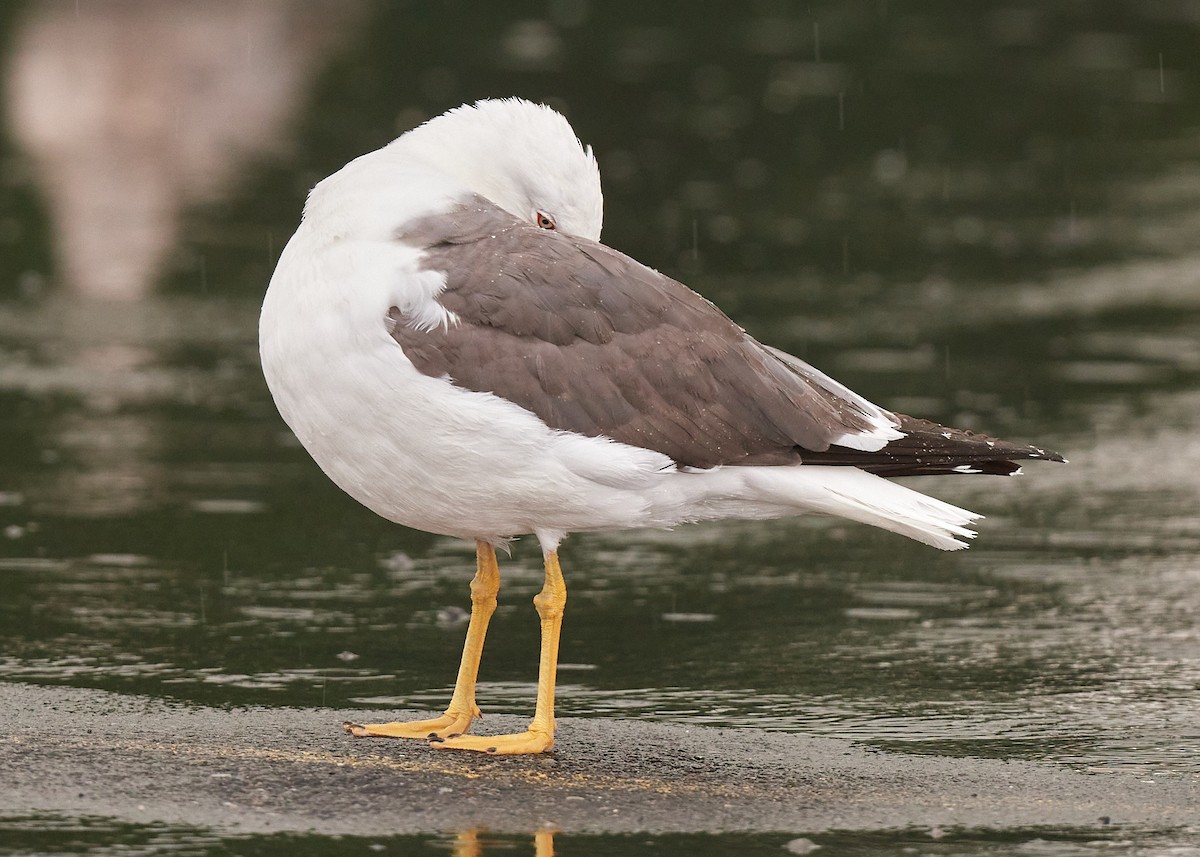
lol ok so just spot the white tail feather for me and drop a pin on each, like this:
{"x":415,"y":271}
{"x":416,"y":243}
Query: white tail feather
{"x":848,"y":492}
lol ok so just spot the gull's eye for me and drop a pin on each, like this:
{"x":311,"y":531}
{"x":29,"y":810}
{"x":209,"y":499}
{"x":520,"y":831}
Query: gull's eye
{"x":544,"y":221}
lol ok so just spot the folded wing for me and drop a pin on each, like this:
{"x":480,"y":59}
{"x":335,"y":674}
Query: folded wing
{"x":595,"y":343}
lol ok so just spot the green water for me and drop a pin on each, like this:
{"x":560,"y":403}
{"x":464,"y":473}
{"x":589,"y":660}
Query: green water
{"x":984,"y":218}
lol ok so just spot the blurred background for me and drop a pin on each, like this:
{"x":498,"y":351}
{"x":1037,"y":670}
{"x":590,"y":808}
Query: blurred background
{"x":153,"y":145}
{"x":985,"y":214}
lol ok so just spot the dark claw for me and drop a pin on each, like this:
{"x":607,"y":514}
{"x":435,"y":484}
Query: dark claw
{"x":455,"y":735}
{"x":436,"y":739}
{"x":492,"y":749}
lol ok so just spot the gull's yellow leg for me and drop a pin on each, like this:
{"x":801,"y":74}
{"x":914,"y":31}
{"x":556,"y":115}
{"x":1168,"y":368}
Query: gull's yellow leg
{"x":462,"y":708}
{"x":539,"y":737}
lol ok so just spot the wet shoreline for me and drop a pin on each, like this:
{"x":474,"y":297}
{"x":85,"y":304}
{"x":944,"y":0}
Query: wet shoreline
{"x":256,"y":770}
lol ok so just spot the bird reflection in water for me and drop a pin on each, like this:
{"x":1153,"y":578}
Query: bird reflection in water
{"x":468,"y":844}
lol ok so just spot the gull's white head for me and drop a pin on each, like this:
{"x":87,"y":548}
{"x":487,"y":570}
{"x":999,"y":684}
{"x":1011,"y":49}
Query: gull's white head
{"x":523,"y":157}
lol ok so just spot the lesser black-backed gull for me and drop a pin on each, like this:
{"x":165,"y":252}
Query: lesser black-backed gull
{"x":449,"y":340}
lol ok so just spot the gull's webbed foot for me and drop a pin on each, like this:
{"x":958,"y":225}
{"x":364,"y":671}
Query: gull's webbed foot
{"x":450,"y":723}
{"x":534,"y":740}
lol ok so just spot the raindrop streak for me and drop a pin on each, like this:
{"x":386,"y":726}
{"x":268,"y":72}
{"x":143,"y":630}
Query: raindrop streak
{"x":695,"y":239}
{"x":842,"y":110}
{"x":1161,"y":81}
{"x":846,"y":255}
{"x":816,"y":41}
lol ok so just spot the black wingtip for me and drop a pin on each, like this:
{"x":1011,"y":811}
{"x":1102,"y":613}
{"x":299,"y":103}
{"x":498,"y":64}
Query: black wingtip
{"x":929,"y":449}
